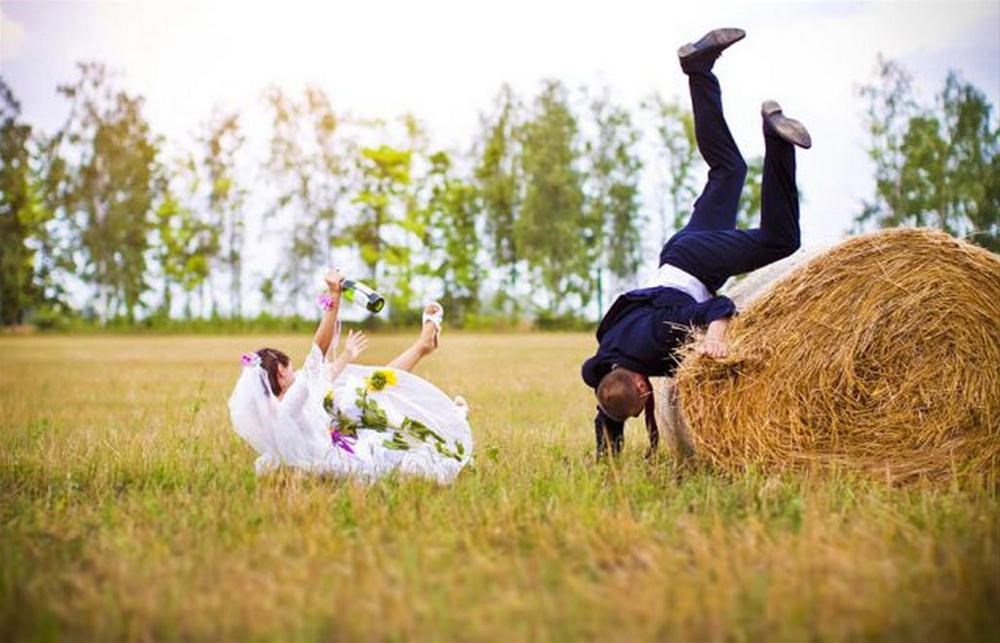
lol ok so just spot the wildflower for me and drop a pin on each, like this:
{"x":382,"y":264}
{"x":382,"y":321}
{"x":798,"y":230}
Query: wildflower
{"x":338,"y":440}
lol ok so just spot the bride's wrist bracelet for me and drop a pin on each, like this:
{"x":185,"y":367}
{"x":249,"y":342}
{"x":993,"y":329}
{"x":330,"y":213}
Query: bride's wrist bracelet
{"x":326,"y":301}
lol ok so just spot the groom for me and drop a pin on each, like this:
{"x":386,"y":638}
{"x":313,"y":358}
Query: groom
{"x":639,"y":336}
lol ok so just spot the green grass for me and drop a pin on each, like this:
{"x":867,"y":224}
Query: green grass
{"x":129,"y":510}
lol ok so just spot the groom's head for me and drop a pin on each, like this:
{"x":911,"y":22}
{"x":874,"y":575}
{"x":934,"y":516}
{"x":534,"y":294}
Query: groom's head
{"x":622,"y":393}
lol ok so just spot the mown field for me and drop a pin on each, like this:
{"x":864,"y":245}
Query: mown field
{"x":129,"y":510}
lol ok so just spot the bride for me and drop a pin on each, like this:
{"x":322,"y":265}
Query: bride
{"x":338,"y":418}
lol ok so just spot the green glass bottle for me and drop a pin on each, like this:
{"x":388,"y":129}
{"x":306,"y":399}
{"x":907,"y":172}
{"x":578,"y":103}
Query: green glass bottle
{"x":360,"y":294}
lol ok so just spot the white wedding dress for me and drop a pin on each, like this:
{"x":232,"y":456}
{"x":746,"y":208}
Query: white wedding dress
{"x":295,"y":431}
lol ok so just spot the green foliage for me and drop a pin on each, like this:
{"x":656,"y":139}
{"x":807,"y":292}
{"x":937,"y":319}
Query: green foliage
{"x":613,"y":229}
{"x":108,"y":189}
{"x":497,"y":178}
{"x":935,"y":165}
{"x":184,"y":246}
{"x":385,"y":176}
{"x":749,"y":206}
{"x":308,"y":164}
{"x":221,"y":143}
{"x":452,"y":235}
{"x":409,"y":431}
{"x":678,"y":153}
{"x":372,"y":415}
{"x":548,"y":228}
{"x":543,"y":216}
{"x":547,"y":321}
{"x":23,"y":215}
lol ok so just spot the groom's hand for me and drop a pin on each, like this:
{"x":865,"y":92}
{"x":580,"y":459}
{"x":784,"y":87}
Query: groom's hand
{"x":714,"y":343}
{"x":715,"y":348}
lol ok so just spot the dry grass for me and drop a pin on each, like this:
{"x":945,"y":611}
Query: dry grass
{"x":881,"y":355}
{"x":129,"y":511}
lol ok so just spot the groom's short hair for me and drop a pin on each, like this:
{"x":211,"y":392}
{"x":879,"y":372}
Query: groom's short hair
{"x":618,"y":395}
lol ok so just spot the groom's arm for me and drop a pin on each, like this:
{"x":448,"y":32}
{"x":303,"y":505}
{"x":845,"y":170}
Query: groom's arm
{"x":651,"y":429}
{"x":608,"y":432}
{"x":706,"y":312}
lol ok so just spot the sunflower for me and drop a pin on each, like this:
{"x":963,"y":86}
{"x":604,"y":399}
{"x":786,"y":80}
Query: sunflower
{"x":379,"y":380}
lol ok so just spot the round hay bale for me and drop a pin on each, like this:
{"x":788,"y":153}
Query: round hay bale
{"x":880,"y":355}
{"x":742,"y":290}
{"x":745,"y":289}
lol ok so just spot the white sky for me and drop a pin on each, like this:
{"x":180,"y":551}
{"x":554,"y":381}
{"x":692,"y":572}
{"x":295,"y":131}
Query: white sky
{"x":445,"y":61}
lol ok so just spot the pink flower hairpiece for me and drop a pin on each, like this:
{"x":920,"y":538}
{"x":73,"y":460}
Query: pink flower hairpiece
{"x":250,"y":359}
{"x":325,"y":301}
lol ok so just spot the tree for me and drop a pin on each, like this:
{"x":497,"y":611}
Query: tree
{"x":221,"y":141}
{"x":332,"y":163}
{"x":749,"y":204}
{"x":678,"y":153}
{"x":385,"y":177}
{"x":185,"y":244}
{"x":108,"y":187}
{"x":970,"y":192}
{"x":497,"y":179}
{"x":935,"y":165}
{"x":686,"y":171}
{"x":551,"y":220}
{"x":890,"y":106}
{"x":613,"y":231}
{"x":289,"y":171}
{"x":453,"y":233}
{"x":22,"y":214}
{"x":408,"y":243}
{"x":309,"y":163}
{"x":267,"y":291}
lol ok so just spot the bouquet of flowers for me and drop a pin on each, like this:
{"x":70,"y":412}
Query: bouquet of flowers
{"x":403,"y":434}
{"x":341,"y":426}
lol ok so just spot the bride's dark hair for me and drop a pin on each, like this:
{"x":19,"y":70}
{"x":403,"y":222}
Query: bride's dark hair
{"x":269,"y":360}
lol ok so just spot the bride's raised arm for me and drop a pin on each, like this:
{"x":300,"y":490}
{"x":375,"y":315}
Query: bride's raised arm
{"x":329,"y":329}
{"x":331,"y":307}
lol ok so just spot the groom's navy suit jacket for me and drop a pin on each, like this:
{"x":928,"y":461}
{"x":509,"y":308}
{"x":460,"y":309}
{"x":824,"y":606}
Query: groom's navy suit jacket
{"x":641,"y":332}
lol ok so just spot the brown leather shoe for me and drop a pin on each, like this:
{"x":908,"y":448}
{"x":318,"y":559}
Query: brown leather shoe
{"x":705,"y":51}
{"x":787,"y":129}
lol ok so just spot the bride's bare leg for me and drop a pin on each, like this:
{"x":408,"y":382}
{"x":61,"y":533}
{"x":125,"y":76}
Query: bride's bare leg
{"x":408,"y":359}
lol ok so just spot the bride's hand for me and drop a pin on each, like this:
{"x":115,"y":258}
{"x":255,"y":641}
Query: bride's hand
{"x":334,"y":281}
{"x":355,"y":344}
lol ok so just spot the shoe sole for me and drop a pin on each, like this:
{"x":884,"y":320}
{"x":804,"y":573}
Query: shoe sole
{"x":717,"y":39}
{"x":788,"y":129}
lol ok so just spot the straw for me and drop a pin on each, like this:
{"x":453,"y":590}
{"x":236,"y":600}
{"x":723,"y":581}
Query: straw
{"x":881,"y":355}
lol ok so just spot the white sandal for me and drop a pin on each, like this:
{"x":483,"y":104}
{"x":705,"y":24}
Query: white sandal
{"x":436,"y":319}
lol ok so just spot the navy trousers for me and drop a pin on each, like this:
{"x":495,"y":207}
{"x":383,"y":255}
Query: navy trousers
{"x":709,"y":246}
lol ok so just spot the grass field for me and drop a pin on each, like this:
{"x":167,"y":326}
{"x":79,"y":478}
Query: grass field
{"x":129,"y":510}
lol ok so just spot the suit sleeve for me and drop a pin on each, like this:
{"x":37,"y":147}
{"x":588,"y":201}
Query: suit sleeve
{"x":710,"y":310}
{"x":592,"y":372}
